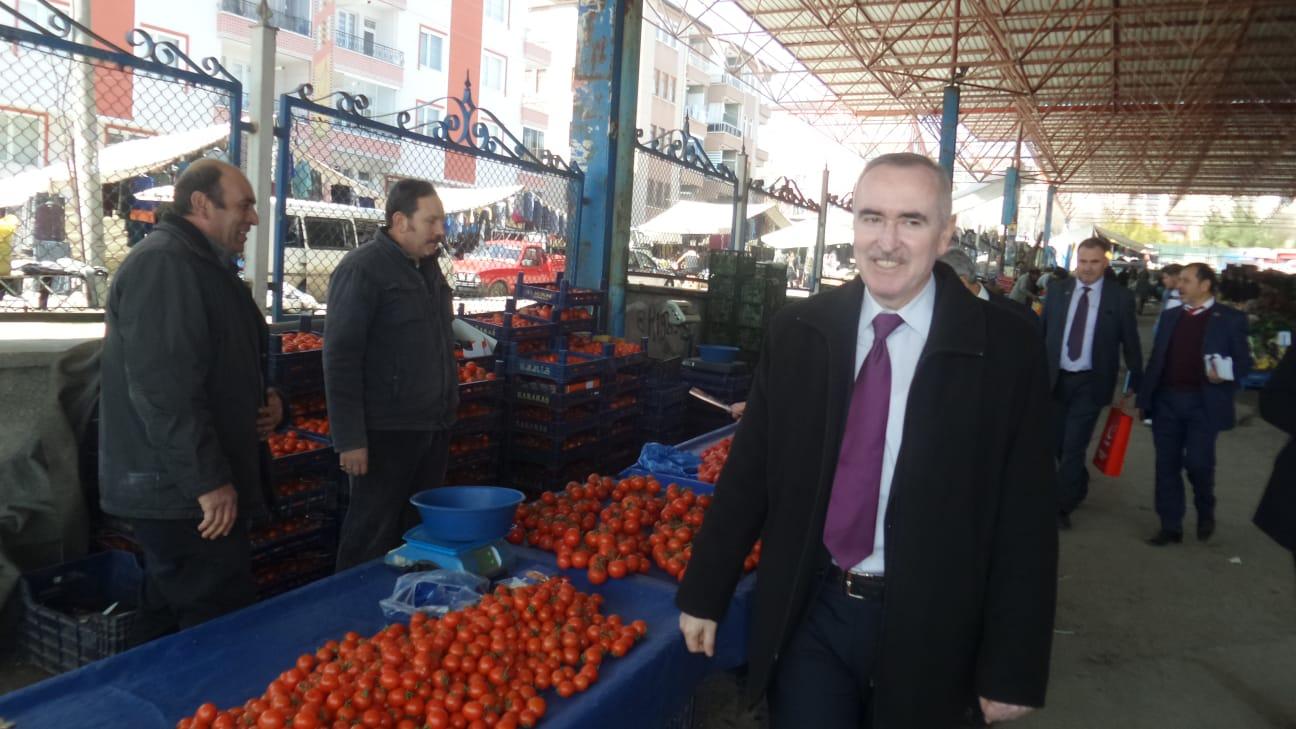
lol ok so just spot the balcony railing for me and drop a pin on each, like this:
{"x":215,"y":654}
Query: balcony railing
{"x":278,"y":15}
{"x":369,"y":48}
{"x":724,"y":127}
{"x":701,"y":61}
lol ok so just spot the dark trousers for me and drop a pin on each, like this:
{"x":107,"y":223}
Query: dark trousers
{"x":1075,"y":412}
{"x":1185,"y":441}
{"x":824,"y":677}
{"x":401,"y":464}
{"x":187,"y":579}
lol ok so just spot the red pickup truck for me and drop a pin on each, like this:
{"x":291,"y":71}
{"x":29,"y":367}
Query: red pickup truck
{"x":492,"y":269}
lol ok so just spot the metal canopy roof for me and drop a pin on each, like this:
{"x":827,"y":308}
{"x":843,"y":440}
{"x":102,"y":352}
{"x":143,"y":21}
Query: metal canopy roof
{"x":1152,"y":96}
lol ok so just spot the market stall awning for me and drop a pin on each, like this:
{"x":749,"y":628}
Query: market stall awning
{"x":117,"y":162}
{"x":838,"y":231}
{"x":690,"y":217}
{"x":1120,"y":240}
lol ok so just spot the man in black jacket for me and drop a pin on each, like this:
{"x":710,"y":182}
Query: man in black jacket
{"x":184,"y":404}
{"x":909,"y":558}
{"x":1088,"y":321}
{"x":389,"y":371}
{"x":1276,"y":514}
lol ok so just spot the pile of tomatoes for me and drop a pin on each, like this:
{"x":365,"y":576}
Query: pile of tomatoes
{"x":318,"y":426}
{"x":286,"y":444}
{"x":586,"y":345}
{"x":300,"y":342}
{"x":473,"y":372}
{"x":466,"y":444}
{"x":482,"y":666}
{"x":309,"y":404}
{"x":287,"y":488}
{"x":599,"y":526}
{"x":284,"y":528}
{"x":497,"y":319}
{"x":474,"y":410}
{"x":713,"y":460}
{"x":546,"y":312}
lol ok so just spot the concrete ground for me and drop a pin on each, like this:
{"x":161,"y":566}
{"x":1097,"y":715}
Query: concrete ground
{"x":1188,"y":636}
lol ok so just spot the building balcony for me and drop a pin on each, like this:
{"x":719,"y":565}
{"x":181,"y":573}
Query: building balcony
{"x":234,"y":23}
{"x":724,"y":127}
{"x":368,"y":60}
{"x":278,"y":15}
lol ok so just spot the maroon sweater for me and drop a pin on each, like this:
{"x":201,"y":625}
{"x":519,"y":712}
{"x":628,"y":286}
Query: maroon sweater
{"x":1185,"y":368}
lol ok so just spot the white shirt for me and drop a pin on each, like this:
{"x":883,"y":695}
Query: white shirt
{"x":1085,"y":362}
{"x":1174,"y":301}
{"x":983,"y":294}
{"x":904,"y":347}
{"x":1200,"y":309}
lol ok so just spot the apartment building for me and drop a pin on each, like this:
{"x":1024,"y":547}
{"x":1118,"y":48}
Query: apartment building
{"x":701,"y":83}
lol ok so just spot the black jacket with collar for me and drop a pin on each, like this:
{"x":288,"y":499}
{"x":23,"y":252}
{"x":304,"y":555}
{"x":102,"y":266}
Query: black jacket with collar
{"x":389,"y":345}
{"x":971,"y":540}
{"x":182,"y":368}
{"x":1116,"y":330}
{"x":1276,"y":514}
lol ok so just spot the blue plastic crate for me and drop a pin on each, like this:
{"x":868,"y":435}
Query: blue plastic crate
{"x":553,"y":396}
{"x":553,"y":453}
{"x":487,"y":423}
{"x":79,"y":611}
{"x":540,"y":329}
{"x":571,"y":366}
{"x":314,"y":461}
{"x":482,"y":390}
{"x":561,"y":294}
{"x":295,"y":372}
{"x":557,"y":427}
{"x":489,"y":454}
{"x":706,"y":440}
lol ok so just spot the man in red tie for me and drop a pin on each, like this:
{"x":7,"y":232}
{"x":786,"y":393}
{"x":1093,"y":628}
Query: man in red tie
{"x":1199,"y":356}
{"x":890,"y":458}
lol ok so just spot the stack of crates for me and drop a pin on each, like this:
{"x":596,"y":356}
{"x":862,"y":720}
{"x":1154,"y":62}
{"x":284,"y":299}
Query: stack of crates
{"x":623,"y":401}
{"x":308,"y":491}
{"x":475,"y":439}
{"x":742,"y":296}
{"x":665,"y":403}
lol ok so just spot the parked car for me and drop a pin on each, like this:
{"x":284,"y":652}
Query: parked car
{"x":493,"y":267}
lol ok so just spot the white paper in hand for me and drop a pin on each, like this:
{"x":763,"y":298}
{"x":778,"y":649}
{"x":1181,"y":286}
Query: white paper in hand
{"x":1223,"y":366}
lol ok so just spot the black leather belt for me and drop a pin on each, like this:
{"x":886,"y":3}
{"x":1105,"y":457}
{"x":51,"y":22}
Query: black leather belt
{"x":854,"y":584}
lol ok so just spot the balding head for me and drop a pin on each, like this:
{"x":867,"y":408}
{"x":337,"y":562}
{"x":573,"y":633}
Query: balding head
{"x":217,"y":198}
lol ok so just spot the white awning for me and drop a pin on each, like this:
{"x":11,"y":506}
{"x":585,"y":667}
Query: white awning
{"x":838,"y":231}
{"x":117,"y":162}
{"x":455,"y":200}
{"x":462,"y":199}
{"x":689,"y":217}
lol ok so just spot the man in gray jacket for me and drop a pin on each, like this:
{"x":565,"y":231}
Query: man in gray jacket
{"x":184,"y":405}
{"x":390,"y":372}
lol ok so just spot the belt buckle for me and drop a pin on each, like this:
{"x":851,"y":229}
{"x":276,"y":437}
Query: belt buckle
{"x":848,"y":585}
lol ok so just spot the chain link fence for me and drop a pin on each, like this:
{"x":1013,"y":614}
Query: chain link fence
{"x":510,"y":209}
{"x":88,"y":135}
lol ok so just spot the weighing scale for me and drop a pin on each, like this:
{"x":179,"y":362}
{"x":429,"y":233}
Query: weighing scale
{"x":488,"y":558}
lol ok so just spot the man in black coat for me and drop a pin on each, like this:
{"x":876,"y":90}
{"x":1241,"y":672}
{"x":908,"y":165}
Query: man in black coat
{"x":389,"y":371}
{"x":949,"y":615}
{"x":184,"y":404}
{"x":1276,"y":515}
{"x":1084,"y":334}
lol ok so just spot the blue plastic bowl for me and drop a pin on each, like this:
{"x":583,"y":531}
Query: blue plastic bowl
{"x":467,"y":513}
{"x":718,"y":353}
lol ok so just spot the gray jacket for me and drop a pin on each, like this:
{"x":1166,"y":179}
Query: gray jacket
{"x":388,"y":345}
{"x":182,"y":381}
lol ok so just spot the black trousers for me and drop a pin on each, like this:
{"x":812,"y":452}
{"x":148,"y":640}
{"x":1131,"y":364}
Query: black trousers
{"x":187,"y":579}
{"x":1075,"y":413}
{"x":824,"y":677}
{"x":401,"y":464}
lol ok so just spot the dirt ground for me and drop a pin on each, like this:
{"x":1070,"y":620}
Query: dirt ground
{"x":1188,"y":636}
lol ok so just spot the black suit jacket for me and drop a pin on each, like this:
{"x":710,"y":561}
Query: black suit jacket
{"x":971,"y":537}
{"x":1115,"y":330}
{"x":1277,"y":512}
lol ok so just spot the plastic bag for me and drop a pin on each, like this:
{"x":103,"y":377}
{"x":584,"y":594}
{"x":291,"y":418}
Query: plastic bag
{"x":668,"y":461}
{"x":1110,"y":456}
{"x":435,"y":592}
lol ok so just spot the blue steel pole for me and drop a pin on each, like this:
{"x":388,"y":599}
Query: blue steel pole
{"x":949,"y":129}
{"x":283,"y":175}
{"x":1048,"y":216}
{"x":1009,"y":217}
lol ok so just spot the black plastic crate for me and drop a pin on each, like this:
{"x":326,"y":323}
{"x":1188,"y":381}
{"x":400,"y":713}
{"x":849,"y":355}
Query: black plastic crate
{"x":79,"y":611}
{"x":664,"y":397}
{"x":319,"y":531}
{"x":508,"y":330}
{"x":296,"y":372}
{"x":552,"y":451}
{"x":552,"y":395}
{"x":478,"y":456}
{"x":559,"y":423}
{"x":561,"y":293}
{"x":569,"y":367}
{"x":480,"y":390}
{"x":486,"y":423}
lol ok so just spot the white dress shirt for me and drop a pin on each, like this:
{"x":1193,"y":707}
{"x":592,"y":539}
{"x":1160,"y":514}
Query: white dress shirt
{"x":904,"y":347}
{"x":982,"y":293}
{"x":1085,"y":362}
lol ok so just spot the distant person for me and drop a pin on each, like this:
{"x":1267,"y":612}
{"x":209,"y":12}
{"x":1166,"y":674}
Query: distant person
{"x":965,"y":269}
{"x":1142,"y":288}
{"x":1170,"y":286}
{"x":689,"y":263}
{"x":183,"y":407}
{"x":1188,"y":391}
{"x":1276,"y":515}
{"x":8,"y":227}
{"x":1088,"y":322}
{"x":1023,"y":291}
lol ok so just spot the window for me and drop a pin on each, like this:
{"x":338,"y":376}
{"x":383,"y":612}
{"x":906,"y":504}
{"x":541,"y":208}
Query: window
{"x":533,"y":140}
{"x":497,"y":10}
{"x":364,"y":176}
{"x":22,"y":139}
{"x":365,"y":229}
{"x":347,"y":24}
{"x":426,"y":117}
{"x":534,"y":80}
{"x":493,"y":71}
{"x":328,"y":233}
{"x":664,"y":36}
{"x":664,"y":85}
{"x":431,"y":50}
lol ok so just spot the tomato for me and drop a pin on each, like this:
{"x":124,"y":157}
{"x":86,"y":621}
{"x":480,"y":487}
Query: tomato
{"x":305,"y":719}
{"x":373,"y":717}
{"x":271,"y":719}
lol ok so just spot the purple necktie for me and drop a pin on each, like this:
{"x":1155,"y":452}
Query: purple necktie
{"x":1075,"y":340}
{"x":857,"y":484}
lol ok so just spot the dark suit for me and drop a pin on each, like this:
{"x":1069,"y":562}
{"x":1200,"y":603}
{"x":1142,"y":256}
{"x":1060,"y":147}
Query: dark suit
{"x":1276,"y":514}
{"x":1186,"y":424}
{"x":971,"y":545}
{"x":1079,"y":398}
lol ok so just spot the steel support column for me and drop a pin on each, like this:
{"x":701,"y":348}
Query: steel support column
{"x":738,"y":230}
{"x":1009,"y":217}
{"x":949,"y":129}
{"x":261,"y":154}
{"x":1048,"y":213}
{"x":816,"y":261}
{"x":603,"y":124}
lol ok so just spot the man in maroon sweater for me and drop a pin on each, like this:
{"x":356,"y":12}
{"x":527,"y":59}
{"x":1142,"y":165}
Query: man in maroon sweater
{"x":1188,"y":392}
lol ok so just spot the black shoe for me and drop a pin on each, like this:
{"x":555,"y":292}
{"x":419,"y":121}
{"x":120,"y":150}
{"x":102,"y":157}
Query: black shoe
{"x":1064,"y":521}
{"x":1163,"y":537}
{"x":1205,"y":528}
